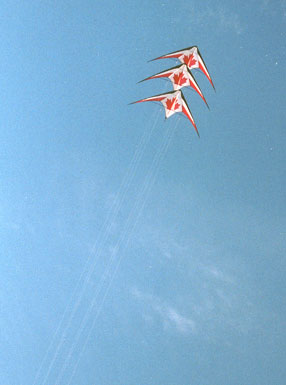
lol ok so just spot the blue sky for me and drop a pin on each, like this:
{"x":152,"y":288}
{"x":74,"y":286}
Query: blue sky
{"x":127,"y":259}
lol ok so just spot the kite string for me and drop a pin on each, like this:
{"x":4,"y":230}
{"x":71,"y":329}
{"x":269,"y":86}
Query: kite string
{"x":93,"y":303}
{"x":138,"y":208}
{"x":104,"y":231}
{"x":132,"y":169}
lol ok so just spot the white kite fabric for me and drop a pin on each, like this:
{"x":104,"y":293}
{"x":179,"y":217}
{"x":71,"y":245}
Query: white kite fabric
{"x":180,"y":76}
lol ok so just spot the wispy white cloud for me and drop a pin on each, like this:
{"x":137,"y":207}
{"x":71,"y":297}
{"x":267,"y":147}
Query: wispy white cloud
{"x":182,"y":324}
{"x":213,"y":293}
{"x":217,"y":274}
{"x":169,"y":316}
{"x":214,"y":306}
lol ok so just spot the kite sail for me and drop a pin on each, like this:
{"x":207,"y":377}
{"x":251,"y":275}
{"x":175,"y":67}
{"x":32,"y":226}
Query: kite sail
{"x":173,"y":102}
{"x":181,"y":77}
{"x":191,"y":57}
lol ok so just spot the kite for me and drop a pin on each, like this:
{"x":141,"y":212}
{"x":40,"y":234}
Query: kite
{"x":191,"y":57}
{"x":181,"y":77}
{"x":173,"y":102}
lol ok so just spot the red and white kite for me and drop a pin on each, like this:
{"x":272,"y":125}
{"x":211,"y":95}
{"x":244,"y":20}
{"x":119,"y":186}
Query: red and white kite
{"x":191,"y":57}
{"x":181,"y":77}
{"x":173,"y":102}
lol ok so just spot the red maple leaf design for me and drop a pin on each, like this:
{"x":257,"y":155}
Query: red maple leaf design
{"x":172,"y":104}
{"x":179,"y":79}
{"x":189,"y":60}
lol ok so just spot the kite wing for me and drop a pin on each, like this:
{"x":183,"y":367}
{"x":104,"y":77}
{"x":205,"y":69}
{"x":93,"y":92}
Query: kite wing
{"x":173,"y":102}
{"x":181,"y":77}
{"x":191,"y":57}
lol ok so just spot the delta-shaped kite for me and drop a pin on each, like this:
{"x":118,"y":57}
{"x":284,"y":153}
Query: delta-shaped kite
{"x":192,"y":57}
{"x":173,"y":102}
{"x":180,"y":77}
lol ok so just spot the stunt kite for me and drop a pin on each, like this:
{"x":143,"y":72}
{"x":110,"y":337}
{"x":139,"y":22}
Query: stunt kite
{"x":181,"y":77}
{"x":173,"y":102}
{"x":191,"y":57}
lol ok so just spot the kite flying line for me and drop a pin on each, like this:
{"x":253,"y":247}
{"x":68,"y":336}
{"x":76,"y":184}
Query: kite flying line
{"x":90,"y":264}
{"x":114,"y":262}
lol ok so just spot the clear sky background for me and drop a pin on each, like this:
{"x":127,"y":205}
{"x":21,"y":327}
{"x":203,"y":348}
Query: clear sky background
{"x":119,"y":267}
